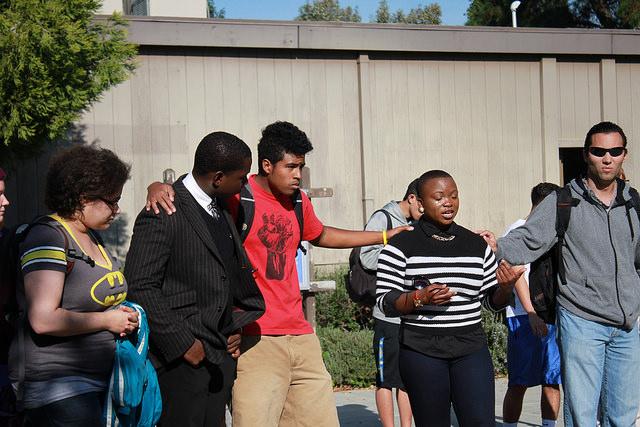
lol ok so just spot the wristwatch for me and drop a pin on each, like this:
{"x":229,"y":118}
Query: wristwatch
{"x":417,"y":302}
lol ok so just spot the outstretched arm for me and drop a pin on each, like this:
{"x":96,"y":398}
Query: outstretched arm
{"x":332,"y":237}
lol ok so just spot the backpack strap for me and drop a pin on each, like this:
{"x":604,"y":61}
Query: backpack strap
{"x":564,"y":203}
{"x":247,"y":210}
{"x":387,"y":216}
{"x":296,"y":199}
{"x":389,"y":221}
{"x":635,"y":204}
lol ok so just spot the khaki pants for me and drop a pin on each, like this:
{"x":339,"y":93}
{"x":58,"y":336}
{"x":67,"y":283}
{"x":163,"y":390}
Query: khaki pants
{"x":282,"y":381}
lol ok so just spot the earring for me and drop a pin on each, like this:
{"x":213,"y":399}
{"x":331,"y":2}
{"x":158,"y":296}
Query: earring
{"x":421,"y":210}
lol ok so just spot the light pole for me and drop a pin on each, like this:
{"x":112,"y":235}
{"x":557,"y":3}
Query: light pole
{"x":514,"y":6}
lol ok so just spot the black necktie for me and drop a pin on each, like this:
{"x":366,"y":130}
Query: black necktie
{"x":214,"y":209}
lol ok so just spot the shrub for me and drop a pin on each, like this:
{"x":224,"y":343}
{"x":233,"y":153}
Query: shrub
{"x":348,"y":356}
{"x":336,"y":310}
{"x":496,"y":332}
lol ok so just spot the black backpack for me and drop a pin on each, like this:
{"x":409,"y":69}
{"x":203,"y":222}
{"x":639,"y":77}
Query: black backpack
{"x":361,"y":282}
{"x":247,"y":209}
{"x":545,"y":271}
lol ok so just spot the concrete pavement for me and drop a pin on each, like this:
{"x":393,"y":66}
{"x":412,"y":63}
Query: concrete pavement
{"x":358,"y":408}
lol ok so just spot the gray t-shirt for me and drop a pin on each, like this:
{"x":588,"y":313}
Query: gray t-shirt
{"x":87,"y":288}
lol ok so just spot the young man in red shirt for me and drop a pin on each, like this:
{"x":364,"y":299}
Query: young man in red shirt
{"x":281,"y":378}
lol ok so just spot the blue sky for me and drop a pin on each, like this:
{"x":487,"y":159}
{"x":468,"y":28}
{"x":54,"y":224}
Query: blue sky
{"x":453,"y":11}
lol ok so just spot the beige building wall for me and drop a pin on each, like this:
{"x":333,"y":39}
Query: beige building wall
{"x":377,"y":119}
{"x":155,"y":120}
{"x":110,"y":6}
{"x":182,"y":8}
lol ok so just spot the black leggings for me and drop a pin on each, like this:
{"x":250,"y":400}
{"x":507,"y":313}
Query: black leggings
{"x":434,"y":384}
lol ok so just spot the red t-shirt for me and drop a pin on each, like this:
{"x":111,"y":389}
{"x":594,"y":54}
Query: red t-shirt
{"x":271,"y":246}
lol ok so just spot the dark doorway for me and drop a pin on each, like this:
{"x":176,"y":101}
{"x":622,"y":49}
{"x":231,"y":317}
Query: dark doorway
{"x":571,"y":164}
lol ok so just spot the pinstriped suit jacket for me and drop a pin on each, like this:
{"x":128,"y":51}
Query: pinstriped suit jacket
{"x":175,"y":272}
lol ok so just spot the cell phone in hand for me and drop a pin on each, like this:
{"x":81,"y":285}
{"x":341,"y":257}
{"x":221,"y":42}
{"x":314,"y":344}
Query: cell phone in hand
{"x":420,"y":281}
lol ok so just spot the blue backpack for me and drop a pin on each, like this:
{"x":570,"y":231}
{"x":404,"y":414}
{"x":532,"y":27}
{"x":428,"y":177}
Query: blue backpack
{"x":134,"y":394}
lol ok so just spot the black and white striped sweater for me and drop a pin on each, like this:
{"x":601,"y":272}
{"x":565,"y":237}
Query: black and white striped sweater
{"x":465,"y":264}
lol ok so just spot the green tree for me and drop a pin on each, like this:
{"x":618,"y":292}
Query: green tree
{"x":422,"y":15}
{"x":557,"y":13}
{"x":55,"y":59}
{"x":327,"y":10}
{"x":531,"y":13}
{"x":214,"y":12}
{"x":607,"y":13}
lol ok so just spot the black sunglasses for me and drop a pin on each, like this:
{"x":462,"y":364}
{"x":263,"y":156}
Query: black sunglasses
{"x":112,"y":204}
{"x":601,"y":152}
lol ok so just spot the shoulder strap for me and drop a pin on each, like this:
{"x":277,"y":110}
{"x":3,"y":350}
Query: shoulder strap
{"x":387,"y":216}
{"x":564,"y":203}
{"x":389,"y":221}
{"x":246,"y":210}
{"x":635,"y":200}
{"x":296,"y":199}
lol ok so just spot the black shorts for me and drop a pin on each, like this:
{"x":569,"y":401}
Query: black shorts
{"x":386,"y":349}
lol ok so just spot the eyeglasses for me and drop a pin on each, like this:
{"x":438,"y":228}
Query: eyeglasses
{"x":112,"y":204}
{"x":601,"y":152}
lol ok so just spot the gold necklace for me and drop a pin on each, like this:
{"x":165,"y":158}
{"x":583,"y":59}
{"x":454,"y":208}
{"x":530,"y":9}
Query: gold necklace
{"x":443,"y":238}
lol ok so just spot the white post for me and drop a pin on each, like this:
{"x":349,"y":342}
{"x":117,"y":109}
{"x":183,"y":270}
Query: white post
{"x":514,"y":7}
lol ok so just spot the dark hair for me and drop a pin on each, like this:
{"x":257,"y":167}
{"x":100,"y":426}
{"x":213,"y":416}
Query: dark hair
{"x":411,"y":189}
{"x":604,"y":127}
{"x":80,"y":174}
{"x":279,"y":138}
{"x":3,"y":174}
{"x":542,"y":190}
{"x":220,"y":151}
{"x":432,"y":174}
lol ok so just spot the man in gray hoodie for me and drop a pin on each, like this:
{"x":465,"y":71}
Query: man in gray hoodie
{"x":386,"y":344}
{"x":599,"y":304}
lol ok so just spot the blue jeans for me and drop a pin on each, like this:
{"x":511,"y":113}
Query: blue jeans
{"x":600,"y":363}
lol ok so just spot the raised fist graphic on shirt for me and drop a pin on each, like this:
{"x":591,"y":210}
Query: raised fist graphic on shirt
{"x":274,"y":234}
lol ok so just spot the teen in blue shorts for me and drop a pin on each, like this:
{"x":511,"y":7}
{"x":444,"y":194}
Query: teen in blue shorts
{"x":532,"y":352}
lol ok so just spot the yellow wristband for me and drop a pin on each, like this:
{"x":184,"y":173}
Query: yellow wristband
{"x":384,"y":237}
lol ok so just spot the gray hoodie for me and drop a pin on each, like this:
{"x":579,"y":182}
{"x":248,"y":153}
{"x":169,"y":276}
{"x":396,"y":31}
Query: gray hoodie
{"x":600,"y":254}
{"x":369,"y":254}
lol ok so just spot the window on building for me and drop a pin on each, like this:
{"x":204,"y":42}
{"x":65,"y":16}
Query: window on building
{"x":136,"y":7}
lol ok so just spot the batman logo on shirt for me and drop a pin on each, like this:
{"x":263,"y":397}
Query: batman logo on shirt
{"x":109,"y":290}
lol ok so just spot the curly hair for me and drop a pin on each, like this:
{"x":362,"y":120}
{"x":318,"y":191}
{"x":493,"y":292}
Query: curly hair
{"x":279,"y":138}
{"x":82,"y":174}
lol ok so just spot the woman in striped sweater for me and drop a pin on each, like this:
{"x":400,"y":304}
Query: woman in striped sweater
{"x":436,"y":278}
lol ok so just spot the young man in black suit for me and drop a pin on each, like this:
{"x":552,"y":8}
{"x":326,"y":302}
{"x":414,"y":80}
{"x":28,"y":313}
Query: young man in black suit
{"x":189,"y":272}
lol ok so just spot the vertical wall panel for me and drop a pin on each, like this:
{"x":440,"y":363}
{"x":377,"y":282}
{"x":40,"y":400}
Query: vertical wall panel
{"x":628,"y":85}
